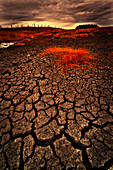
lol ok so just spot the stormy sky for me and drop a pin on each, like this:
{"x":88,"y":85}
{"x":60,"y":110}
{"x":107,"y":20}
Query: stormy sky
{"x":59,"y":13}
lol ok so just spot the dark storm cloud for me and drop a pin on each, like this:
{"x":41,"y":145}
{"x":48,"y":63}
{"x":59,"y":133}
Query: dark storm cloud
{"x":13,"y":10}
{"x":64,"y":12}
{"x":96,"y":11}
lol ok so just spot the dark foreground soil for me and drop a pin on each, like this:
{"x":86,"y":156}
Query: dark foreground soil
{"x":55,"y":120}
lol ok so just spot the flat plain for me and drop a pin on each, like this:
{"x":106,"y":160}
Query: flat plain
{"x":55,"y":113}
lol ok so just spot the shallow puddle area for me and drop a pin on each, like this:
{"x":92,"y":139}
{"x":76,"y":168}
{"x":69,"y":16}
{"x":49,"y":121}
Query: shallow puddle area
{"x":6,"y":45}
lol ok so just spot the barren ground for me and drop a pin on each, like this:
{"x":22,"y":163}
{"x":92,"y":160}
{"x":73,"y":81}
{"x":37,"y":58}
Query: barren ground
{"x":55,"y":120}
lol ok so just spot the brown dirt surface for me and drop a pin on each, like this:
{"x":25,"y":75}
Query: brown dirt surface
{"x":55,"y":113}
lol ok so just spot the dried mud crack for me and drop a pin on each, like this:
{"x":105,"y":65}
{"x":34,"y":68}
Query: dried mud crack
{"x":54,"y":121}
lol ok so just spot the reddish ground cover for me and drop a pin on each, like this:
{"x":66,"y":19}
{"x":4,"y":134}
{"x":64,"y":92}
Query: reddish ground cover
{"x":70,"y":58}
{"x":16,"y":34}
{"x":67,"y":57}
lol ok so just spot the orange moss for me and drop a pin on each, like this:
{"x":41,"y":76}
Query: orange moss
{"x":18,"y":44}
{"x":10,"y":36}
{"x":74,"y":33}
{"x":17,"y":35}
{"x":70,"y":58}
{"x":26,"y":39}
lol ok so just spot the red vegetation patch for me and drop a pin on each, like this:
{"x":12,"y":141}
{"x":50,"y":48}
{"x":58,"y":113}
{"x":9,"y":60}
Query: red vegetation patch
{"x":14,"y":35}
{"x":19,"y":43}
{"x":26,"y":39}
{"x":17,"y":34}
{"x":70,"y":58}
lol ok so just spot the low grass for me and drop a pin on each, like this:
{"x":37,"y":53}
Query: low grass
{"x":10,"y":36}
{"x":68,"y":58}
{"x":17,"y":34}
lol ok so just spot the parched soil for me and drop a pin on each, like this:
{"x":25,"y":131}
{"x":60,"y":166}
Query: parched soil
{"x":52,"y":119}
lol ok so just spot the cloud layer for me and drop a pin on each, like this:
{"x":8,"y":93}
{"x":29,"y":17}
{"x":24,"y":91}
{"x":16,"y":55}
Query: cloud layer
{"x":65,"y":12}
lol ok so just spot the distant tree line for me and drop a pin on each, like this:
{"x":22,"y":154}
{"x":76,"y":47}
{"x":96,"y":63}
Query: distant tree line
{"x":29,"y":25}
{"x":86,"y":26}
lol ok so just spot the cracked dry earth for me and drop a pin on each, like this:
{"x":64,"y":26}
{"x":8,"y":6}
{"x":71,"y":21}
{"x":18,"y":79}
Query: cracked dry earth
{"x":54,"y":121}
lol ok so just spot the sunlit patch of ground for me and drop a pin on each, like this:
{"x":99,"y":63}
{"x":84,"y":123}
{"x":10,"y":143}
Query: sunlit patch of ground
{"x":68,"y":58}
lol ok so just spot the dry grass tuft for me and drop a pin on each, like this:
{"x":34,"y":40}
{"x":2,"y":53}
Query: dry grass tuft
{"x":70,"y":58}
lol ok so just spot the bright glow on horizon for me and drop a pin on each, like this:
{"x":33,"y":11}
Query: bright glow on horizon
{"x":46,"y":24}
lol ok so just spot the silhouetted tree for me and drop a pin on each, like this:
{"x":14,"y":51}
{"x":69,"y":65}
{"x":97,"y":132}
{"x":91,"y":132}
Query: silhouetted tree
{"x":86,"y":26}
